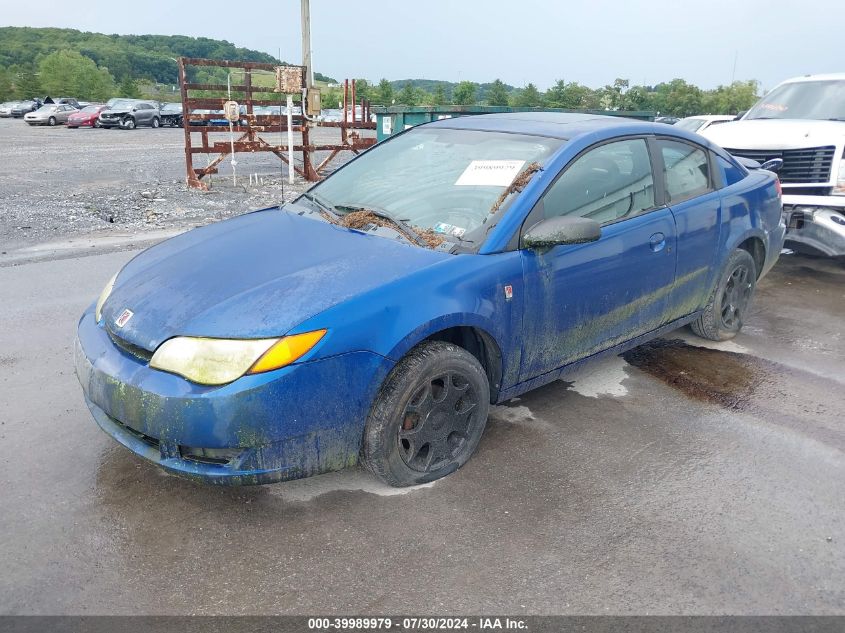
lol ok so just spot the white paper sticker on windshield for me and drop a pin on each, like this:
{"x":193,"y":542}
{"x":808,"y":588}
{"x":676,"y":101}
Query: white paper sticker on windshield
{"x":490,"y":173}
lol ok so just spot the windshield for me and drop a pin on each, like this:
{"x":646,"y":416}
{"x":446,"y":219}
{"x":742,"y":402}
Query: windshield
{"x":122,"y":104}
{"x":167,"y":107}
{"x":823,"y":100}
{"x":445,"y":180}
{"x":90,"y":109}
{"x":690,"y":124}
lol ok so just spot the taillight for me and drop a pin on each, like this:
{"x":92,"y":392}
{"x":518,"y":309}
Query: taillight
{"x":778,"y":188}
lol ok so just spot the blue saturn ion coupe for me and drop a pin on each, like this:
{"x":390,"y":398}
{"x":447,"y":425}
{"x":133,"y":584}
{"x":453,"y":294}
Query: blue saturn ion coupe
{"x":457,"y":265}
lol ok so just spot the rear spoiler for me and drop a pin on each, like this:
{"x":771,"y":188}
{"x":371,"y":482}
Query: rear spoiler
{"x":770,"y":165}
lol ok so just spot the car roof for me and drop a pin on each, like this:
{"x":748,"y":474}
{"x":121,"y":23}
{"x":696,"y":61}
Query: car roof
{"x":820,"y":77}
{"x":562,"y":125}
{"x":567,"y":126}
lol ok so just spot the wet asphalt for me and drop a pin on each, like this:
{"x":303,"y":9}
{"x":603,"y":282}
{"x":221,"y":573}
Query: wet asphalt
{"x":676,"y":479}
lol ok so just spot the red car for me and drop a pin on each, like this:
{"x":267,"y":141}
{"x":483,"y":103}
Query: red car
{"x":87,"y":116}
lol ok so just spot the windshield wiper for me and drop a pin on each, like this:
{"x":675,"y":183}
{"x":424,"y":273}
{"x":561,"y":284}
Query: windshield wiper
{"x":386,"y":215}
{"x":321,"y":204}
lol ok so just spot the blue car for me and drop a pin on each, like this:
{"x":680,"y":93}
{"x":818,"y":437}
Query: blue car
{"x":454,"y":266}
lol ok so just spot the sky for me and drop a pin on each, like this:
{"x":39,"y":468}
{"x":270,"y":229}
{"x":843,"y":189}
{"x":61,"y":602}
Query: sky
{"x":708,"y":42}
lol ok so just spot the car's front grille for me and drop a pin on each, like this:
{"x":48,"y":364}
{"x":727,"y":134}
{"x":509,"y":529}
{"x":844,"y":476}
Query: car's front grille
{"x":129,"y":348}
{"x":147,"y":439}
{"x":812,"y":164}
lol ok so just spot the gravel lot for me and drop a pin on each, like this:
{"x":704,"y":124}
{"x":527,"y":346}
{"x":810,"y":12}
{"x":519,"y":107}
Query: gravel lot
{"x":58,"y":182}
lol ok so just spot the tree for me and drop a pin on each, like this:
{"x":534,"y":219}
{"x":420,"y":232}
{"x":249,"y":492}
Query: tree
{"x":683,"y":99}
{"x":528,"y":97}
{"x":363,"y":90}
{"x":383,"y":94}
{"x":6,"y":85}
{"x":27,"y":85}
{"x":571,"y":96}
{"x":740,"y":95}
{"x":464,"y":93}
{"x":128,"y":88}
{"x":408,"y":95}
{"x":66,"y":73}
{"x":497,"y":95}
{"x":438,"y":97}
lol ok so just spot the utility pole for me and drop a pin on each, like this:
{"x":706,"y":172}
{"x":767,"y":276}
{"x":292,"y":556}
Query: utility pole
{"x":306,"y":43}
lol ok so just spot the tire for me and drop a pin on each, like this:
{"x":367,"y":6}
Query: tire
{"x":129,"y":123}
{"x":428,"y":417}
{"x":95,"y":124}
{"x":155,"y":122}
{"x":723,"y":315}
{"x":51,"y":121}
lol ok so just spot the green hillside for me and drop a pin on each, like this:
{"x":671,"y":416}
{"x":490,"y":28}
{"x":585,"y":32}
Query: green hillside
{"x":138,"y":57}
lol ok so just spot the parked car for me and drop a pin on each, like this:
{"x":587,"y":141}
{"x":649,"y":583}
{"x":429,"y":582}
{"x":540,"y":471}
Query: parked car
{"x":489,"y":254}
{"x":668,"y":120}
{"x":63,"y":100}
{"x":50,"y":114}
{"x":6,"y":108}
{"x":129,"y":114}
{"x":171,"y":114}
{"x":86,"y":117}
{"x":701,"y":122}
{"x":802,"y":122}
{"x":22,"y":108}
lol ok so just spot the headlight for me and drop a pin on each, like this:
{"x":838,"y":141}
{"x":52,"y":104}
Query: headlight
{"x":98,"y":311}
{"x":839,"y":187}
{"x":216,"y":361}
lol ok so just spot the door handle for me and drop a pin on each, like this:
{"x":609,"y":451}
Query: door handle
{"x":657,"y":242}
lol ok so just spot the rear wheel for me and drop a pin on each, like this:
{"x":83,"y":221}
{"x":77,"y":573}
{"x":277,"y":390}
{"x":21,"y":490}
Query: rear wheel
{"x":155,"y":122}
{"x":724,"y":313}
{"x":428,"y":418}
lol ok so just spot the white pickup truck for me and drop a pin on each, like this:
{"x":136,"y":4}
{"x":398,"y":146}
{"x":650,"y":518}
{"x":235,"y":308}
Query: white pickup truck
{"x":802,"y":122}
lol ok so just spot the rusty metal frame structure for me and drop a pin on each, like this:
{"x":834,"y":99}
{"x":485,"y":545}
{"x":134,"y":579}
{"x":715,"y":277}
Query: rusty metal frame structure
{"x":250,"y":139}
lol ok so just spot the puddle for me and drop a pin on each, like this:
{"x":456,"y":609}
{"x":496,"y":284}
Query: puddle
{"x":599,"y":378}
{"x":714,"y":375}
{"x":349,"y":480}
{"x":518,"y":414}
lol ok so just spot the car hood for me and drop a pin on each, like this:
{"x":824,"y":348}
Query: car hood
{"x":121,"y":111}
{"x":254,"y":276}
{"x":776,"y":133}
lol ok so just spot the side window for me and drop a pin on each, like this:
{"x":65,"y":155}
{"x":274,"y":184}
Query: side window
{"x":686,"y":170}
{"x":610,"y":182}
{"x":733,"y":174}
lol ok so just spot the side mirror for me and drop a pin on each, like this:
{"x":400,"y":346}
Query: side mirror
{"x":562,"y":229}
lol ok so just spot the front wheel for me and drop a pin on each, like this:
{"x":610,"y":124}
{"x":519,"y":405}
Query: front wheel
{"x":129,"y":124}
{"x":428,"y":417}
{"x":723,"y":316}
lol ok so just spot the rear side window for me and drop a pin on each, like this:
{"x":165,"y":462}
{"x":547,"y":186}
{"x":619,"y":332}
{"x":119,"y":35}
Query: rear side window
{"x":686,"y":170}
{"x":733,"y":174}
{"x":606,"y":184}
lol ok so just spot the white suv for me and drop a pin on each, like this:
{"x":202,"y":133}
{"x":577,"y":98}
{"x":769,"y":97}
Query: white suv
{"x":801,"y":121}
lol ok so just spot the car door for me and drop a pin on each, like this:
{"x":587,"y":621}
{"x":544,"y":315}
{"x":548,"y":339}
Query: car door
{"x":583,"y":298}
{"x":688,"y":181}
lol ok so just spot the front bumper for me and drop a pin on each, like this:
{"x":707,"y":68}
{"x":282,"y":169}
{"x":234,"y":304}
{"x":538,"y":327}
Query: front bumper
{"x":294,"y":422}
{"x":110,"y":122}
{"x":815,"y":223}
